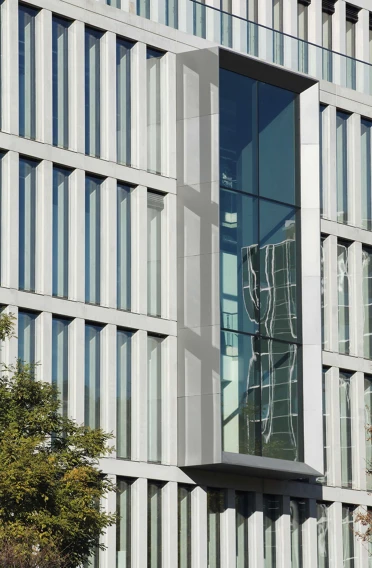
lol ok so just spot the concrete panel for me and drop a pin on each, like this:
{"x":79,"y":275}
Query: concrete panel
{"x":198,"y":361}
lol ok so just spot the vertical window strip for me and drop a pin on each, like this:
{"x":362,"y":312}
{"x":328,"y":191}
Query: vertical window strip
{"x":123,"y":247}
{"x":200,"y":19}
{"x":298,"y":513}
{"x":346,"y":441}
{"x":27,"y":82}
{"x":368,"y":424}
{"x":92,"y":239}
{"x":143,"y":8}
{"x":114,"y":3}
{"x":123,"y":100}
{"x":171,"y":13}
{"x":271,"y":514}
{"x":341,"y":167}
{"x":215,"y":506}
{"x":243,"y":510}
{"x":322,"y":534}
{"x":27,"y":223}
{"x":154,"y":559}
{"x":92,"y":393}
{"x":92,"y":91}
{"x":60,"y":231}
{"x":366,"y":170}
{"x":123,"y":427}
{"x":60,"y":329}
{"x":26,"y":337}
{"x":367,"y":301}
{"x":343,"y":286}
{"x":60,"y":81}
{"x":184,"y":526}
{"x":154,"y":402}
{"x":155,"y":206}
{"x":154,"y":95}
{"x":348,"y":536}
{"x":123,"y":526}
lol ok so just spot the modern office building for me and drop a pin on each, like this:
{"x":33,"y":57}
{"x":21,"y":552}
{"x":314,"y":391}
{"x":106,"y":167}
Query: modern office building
{"x":186,"y":241}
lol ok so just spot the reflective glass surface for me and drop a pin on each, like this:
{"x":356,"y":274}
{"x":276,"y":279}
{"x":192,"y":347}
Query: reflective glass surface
{"x":238,"y":132}
{"x":259,"y":273}
{"x":26,"y":336}
{"x":277,"y":149}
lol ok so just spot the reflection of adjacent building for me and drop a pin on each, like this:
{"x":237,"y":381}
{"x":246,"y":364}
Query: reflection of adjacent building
{"x":260,"y":398}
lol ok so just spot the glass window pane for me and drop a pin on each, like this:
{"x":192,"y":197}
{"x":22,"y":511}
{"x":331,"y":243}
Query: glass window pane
{"x":298,"y":512}
{"x":92,"y":376}
{"x":324,"y":292}
{"x":123,"y":100}
{"x":346,"y":442}
{"x":348,"y":536}
{"x":143,"y":8}
{"x":343,"y":285}
{"x":199,"y":19}
{"x":123,"y":526}
{"x":326,"y":422}
{"x":26,"y":337}
{"x":368,"y":424}
{"x":27,"y":85}
{"x":60,"y":373}
{"x":154,"y":407}
{"x":366,"y":127}
{"x":238,"y":132}
{"x":279,"y":400}
{"x":60,"y":231}
{"x":323,"y":148}
{"x":277,"y":143}
{"x":114,"y":3}
{"x":60,"y":81}
{"x":322,"y":532}
{"x":171,"y":13}
{"x":278,"y":271}
{"x":215,"y":506}
{"x":92,"y":239}
{"x":124,"y":394}
{"x":271,"y":514}
{"x":367,"y":301}
{"x":27,"y":224}
{"x":184,"y":526}
{"x":239,"y":260}
{"x":243,"y":510}
{"x":92,"y":92}
{"x":341,"y":167}
{"x":154,"y":528}
{"x":241,"y":393}
{"x":155,"y":206}
{"x":327,"y":44}
{"x":123,"y":247}
{"x":154,"y":96}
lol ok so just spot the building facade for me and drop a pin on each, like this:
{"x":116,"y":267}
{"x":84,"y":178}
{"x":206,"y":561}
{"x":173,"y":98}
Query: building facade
{"x":186,"y":243}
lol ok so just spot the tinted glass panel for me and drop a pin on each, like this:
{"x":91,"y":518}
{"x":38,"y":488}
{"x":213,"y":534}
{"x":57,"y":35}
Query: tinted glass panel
{"x":239,"y":261}
{"x":238,"y":132}
{"x":277,"y":155}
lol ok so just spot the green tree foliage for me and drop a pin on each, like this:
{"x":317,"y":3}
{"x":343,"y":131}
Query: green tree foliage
{"x":50,"y":483}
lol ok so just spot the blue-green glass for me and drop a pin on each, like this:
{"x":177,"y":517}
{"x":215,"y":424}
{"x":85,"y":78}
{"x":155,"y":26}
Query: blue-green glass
{"x":26,"y":337}
{"x":238,"y":132}
{"x":279,"y":400}
{"x":277,"y":143}
{"x":239,"y":261}
{"x":278,"y":271}
{"x":240,"y":382}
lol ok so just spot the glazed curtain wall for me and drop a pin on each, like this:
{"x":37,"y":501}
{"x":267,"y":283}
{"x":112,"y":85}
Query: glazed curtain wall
{"x":259,"y":273}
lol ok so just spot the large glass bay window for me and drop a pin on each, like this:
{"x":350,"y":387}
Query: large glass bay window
{"x":259,"y":269}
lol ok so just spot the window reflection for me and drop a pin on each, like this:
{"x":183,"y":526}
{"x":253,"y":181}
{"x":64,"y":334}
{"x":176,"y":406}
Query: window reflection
{"x":258,"y":269}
